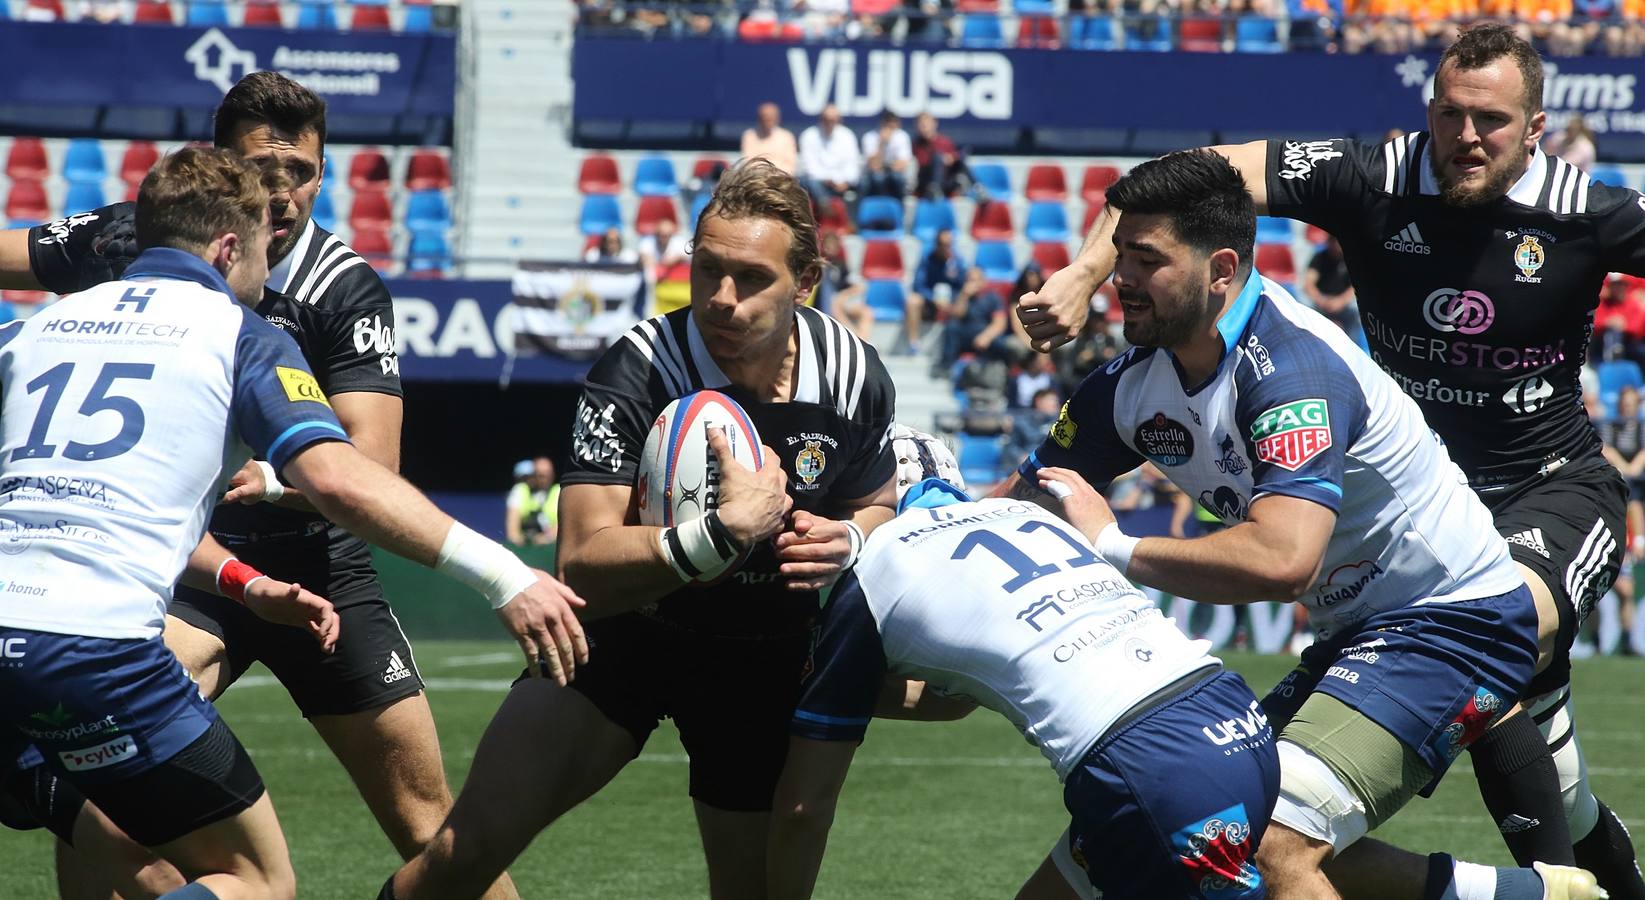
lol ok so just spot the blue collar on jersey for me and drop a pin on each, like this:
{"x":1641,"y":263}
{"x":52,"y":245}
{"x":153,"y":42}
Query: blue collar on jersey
{"x":1233,"y":322}
{"x":930,"y":494}
{"x":176,"y":265}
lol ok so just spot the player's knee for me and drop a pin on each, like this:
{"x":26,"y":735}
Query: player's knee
{"x":1288,"y":858}
{"x":156,"y":878}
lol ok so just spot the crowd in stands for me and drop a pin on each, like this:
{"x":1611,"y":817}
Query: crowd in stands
{"x":349,"y":15}
{"x":1557,"y":27}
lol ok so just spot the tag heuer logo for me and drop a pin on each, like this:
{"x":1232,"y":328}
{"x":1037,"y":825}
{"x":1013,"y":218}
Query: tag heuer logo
{"x":1290,"y":435}
{"x":1063,"y":431}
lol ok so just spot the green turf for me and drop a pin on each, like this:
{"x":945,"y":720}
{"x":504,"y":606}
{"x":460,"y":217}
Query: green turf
{"x":953,"y":810}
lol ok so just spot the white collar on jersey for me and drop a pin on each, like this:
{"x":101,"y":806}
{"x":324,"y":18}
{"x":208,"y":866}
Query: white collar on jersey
{"x":280,"y":276}
{"x":1524,"y":192}
{"x":807,"y":387}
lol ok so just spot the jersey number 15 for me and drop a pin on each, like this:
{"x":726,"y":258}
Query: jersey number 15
{"x":55,"y":380}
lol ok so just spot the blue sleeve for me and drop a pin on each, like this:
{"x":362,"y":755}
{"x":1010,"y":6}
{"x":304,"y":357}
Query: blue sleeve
{"x":277,"y":407}
{"x":1083,"y":437}
{"x":10,"y":330}
{"x":842,"y":677}
{"x":1299,"y":420}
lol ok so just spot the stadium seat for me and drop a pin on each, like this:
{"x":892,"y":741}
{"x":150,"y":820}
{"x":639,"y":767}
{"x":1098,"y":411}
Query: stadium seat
{"x":24,"y":298}
{"x":83,"y":161}
{"x":599,"y":175}
{"x":1093,"y":33}
{"x":701,"y":202}
{"x":1273,"y":231}
{"x":1150,"y":34}
{"x":1092,"y":210}
{"x":371,"y":209}
{"x":1034,"y":8}
{"x":704,"y":166}
{"x":83,"y":195}
{"x":653,"y":210}
{"x":993,"y":179}
{"x":43,"y":11}
{"x":1276,"y":262}
{"x":1046,"y":182}
{"x":207,"y":14}
{"x":368,"y":170}
{"x":27,"y":159}
{"x":1200,"y":36}
{"x":654,"y":177}
{"x":994,"y":258}
{"x":875,"y":7}
{"x":428,"y":170}
{"x":1038,"y":31}
{"x":882,"y":259}
{"x":1051,"y":258}
{"x":599,"y":214}
{"x":370,"y":16}
{"x":417,"y":15}
{"x":317,"y":14}
{"x":429,"y":254}
{"x":27,"y":202}
{"x":1614,"y":375}
{"x":1316,"y":235}
{"x":977,"y":6}
{"x":979,"y":459}
{"x":1609,"y":175}
{"x":427,"y":211}
{"x":374,"y":245}
{"x":885,"y":298}
{"x":266,"y":14}
{"x":1047,"y":222}
{"x":153,"y":12}
{"x":1257,"y":34}
{"x":1096,"y":181}
{"x":831,"y":216}
{"x":324,"y":213}
{"x":978,"y":30}
{"x":932,"y":216}
{"x":879,"y":218}
{"x":140,"y":156}
{"x":992,"y":222}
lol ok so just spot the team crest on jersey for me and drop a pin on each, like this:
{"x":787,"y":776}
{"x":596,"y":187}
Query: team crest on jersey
{"x":300,"y":385}
{"x":810,"y":462}
{"x":1165,"y":440}
{"x":1528,"y":258}
{"x":1064,"y":429}
{"x":1291,"y":434}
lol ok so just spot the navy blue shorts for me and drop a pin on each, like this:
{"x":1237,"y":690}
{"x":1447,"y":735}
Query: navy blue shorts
{"x":98,"y":710}
{"x":1435,"y":676}
{"x":1174,"y":803}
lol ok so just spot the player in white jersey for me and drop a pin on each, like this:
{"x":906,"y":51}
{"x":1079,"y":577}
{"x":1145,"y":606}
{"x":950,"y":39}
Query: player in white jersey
{"x":1336,"y":495}
{"x":122,"y":410}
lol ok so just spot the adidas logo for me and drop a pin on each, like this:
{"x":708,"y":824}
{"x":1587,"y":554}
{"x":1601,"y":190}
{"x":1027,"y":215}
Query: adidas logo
{"x":397,"y":669}
{"x":1409,"y":240}
{"x":1531,"y":539}
{"x":1516,"y":823}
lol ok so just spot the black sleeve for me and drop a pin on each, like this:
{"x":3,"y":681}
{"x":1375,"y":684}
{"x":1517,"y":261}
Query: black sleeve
{"x":614,"y":414}
{"x":841,"y":680}
{"x":1083,"y":437}
{"x":84,"y":250}
{"x":352,"y":347}
{"x":873,"y":459}
{"x":1621,"y":227}
{"x":1324,"y":183}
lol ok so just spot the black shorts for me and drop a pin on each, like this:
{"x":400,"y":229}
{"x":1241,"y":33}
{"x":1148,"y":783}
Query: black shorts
{"x":1570,"y":528}
{"x":731,"y":698}
{"x":372,"y":666}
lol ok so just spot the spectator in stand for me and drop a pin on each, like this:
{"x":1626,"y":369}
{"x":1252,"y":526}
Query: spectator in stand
{"x":1029,"y":281}
{"x":104,"y":12}
{"x":928,"y":19}
{"x":1029,"y":423}
{"x":976,"y":324}
{"x":1624,"y":437}
{"x":887,"y":155}
{"x":942,"y":171}
{"x":1037,"y":374}
{"x":768,"y":138}
{"x":1619,"y":320}
{"x":664,"y":248}
{"x":824,"y":19}
{"x":1625,"y":35}
{"x":1329,"y":289}
{"x":1546,"y":24}
{"x":1098,"y":342}
{"x":1314,"y":24}
{"x":939,"y":276}
{"x":840,"y":294}
{"x":610,"y":249}
{"x":830,"y":163}
{"x":1574,"y":143}
{"x":534,"y":506}
{"x":1436,"y":24}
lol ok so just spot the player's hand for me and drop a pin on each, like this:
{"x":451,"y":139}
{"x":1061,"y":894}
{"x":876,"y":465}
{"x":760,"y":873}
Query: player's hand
{"x":247,"y":485}
{"x":289,"y":604}
{"x":543,"y":620}
{"x":812,"y":552}
{"x":1082,"y":506}
{"x":753,"y":504}
{"x":1054,"y":314}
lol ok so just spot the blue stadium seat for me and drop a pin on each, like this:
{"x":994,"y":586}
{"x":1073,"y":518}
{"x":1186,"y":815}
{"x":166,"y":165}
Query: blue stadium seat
{"x":1614,"y":375}
{"x":978,"y":30}
{"x":1093,"y":32}
{"x":654,"y":177}
{"x":427,"y":211}
{"x":1138,"y":35}
{"x":697,"y":206}
{"x":429,"y":252}
{"x":879,"y":218}
{"x":885,"y":298}
{"x":994,"y":258}
{"x":1033,"y":7}
{"x":83,"y":161}
{"x":316,"y":14}
{"x":207,"y":13}
{"x":1610,"y":175}
{"x":83,"y":195}
{"x":980,"y":459}
{"x":993,"y":178}
{"x":1273,"y":231}
{"x":1257,"y":34}
{"x":324,"y":213}
{"x":417,"y":18}
{"x":600,"y":212}
{"x":1047,"y":223}
{"x":932,"y":216}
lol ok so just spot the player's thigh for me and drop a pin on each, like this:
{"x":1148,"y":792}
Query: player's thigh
{"x":1060,"y":876}
{"x":734,"y":847}
{"x":247,"y":846}
{"x":202,"y":653}
{"x":104,"y":857}
{"x":393,"y":754}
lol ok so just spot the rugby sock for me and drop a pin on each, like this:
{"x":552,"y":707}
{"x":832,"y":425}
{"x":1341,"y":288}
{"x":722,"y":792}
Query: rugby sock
{"x":1452,"y":879}
{"x":1520,"y":785}
{"x":194,"y":891}
{"x":1608,"y":852}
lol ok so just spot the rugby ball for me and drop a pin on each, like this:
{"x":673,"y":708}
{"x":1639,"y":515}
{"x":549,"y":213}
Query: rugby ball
{"x":679,"y":476}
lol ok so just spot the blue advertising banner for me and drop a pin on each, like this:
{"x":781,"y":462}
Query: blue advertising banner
{"x":1313,"y":93}
{"x":358,"y":73}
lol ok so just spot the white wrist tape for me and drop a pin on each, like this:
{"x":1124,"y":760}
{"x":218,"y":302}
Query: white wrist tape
{"x":701,"y":549}
{"x":272,"y":488}
{"x":854,"y":533}
{"x":484,"y":565}
{"x":1116,"y":546}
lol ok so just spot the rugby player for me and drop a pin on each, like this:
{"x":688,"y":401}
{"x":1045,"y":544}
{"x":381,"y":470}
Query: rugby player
{"x":1477,"y":260}
{"x":366,"y":700}
{"x":721,"y":661}
{"x":1337,"y":496}
{"x":142,"y":392}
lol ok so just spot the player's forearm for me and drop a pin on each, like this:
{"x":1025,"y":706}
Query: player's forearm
{"x":618,"y":568}
{"x":203,"y":564}
{"x":1095,"y":260}
{"x":1234,"y":566}
{"x":370,"y":501}
{"x":16,"y":274}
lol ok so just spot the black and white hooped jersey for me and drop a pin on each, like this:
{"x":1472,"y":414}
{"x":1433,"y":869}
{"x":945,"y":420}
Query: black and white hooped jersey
{"x":833,"y":439}
{"x":1482,"y":314}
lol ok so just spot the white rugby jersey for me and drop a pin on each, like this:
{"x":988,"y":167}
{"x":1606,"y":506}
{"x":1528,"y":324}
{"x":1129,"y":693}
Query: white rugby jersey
{"x":1295,"y":408}
{"x":1000,"y":602}
{"x":122,"y":411}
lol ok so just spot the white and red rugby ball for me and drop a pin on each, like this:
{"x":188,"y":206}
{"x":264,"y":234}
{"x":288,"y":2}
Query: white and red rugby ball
{"x":679,"y":477}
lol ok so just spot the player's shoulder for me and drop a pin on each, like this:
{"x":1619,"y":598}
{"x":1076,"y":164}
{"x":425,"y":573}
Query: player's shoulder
{"x":853,"y":378}
{"x":1609,"y":200}
{"x":59,"y":230}
{"x":1287,"y":341}
{"x":1105,"y":379}
{"x":331,"y":276}
{"x":1300,"y":160}
{"x":650,"y":359}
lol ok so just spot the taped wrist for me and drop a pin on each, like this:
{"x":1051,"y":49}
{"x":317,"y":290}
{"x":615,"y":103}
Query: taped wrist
{"x":272,"y":488}
{"x":233,"y":577}
{"x":1116,"y":546}
{"x":484,"y":565}
{"x":855,"y":535}
{"x":702,"y":549}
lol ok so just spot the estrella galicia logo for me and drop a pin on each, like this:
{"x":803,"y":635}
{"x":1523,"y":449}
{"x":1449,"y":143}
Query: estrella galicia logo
{"x":1164,"y":440}
{"x":1226,"y":503}
{"x":1229,"y":462}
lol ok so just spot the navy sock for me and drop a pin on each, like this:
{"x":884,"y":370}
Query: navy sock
{"x":195,"y":891}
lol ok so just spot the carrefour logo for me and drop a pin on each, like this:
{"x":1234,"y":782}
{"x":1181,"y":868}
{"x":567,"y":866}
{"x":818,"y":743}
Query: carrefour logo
{"x":947,"y":84}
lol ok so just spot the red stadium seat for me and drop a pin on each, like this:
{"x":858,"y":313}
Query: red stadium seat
{"x":1046,"y":182}
{"x":43,"y":10}
{"x":1096,"y":181}
{"x":371,"y":18}
{"x":371,"y":210}
{"x":27,"y":201}
{"x":977,"y":6}
{"x":428,"y":170}
{"x":874,"y":7}
{"x":263,"y":13}
{"x":1091,"y":212}
{"x":27,"y":159}
{"x":599,"y":175}
{"x":368,"y":170}
{"x":1317,"y":235}
{"x":757,"y":28}
{"x":153,"y":12}
{"x":992,"y":222}
{"x":704,"y":166}
{"x":833,"y":217}
{"x":882,"y":259}
{"x":1276,"y":262}
{"x":139,"y":158}
{"x":1201,"y":36}
{"x":1051,"y":257}
{"x":1038,"y":31}
{"x":132,"y":191}
{"x":653,"y":210}
{"x":26,"y":298}
{"x":375,"y":246}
